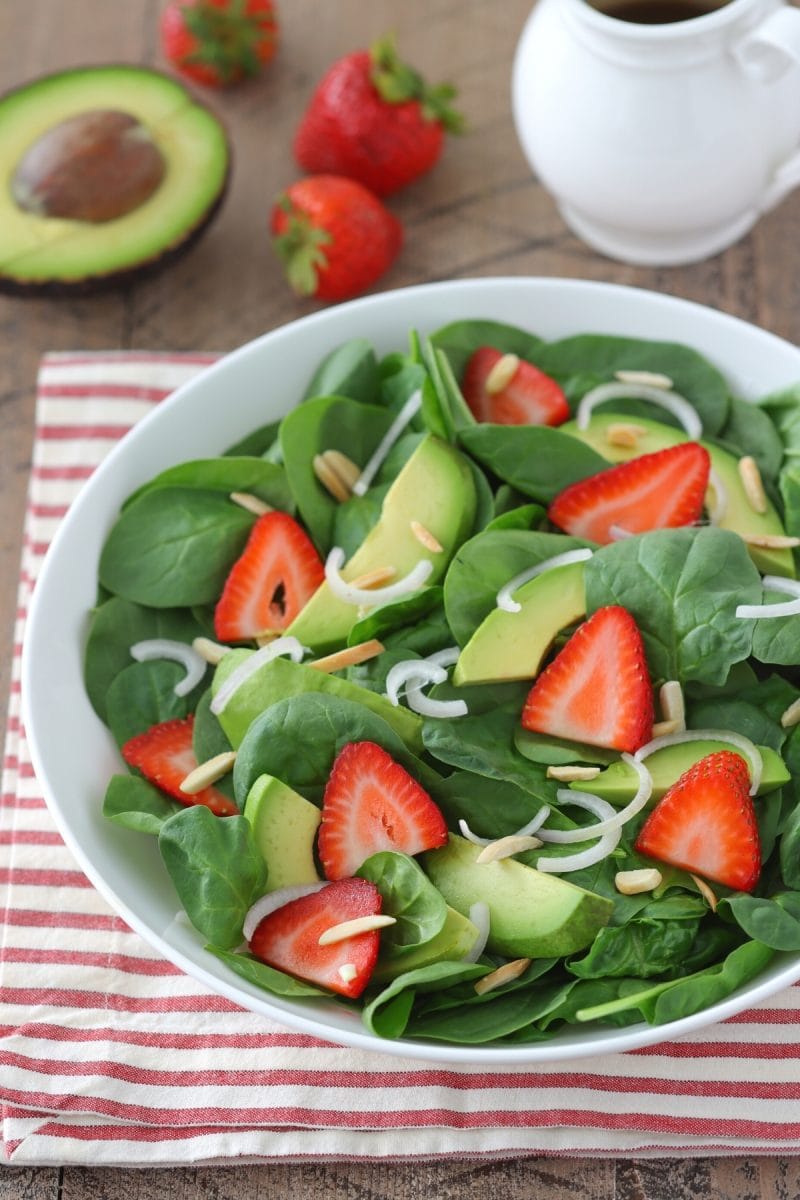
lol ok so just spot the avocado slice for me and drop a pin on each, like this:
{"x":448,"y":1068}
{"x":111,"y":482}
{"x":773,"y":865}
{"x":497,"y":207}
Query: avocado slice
{"x":434,"y":488}
{"x":284,"y":826}
{"x":507,"y":645}
{"x":108,"y":171}
{"x":739,"y":517}
{"x":455,"y":939}
{"x":618,"y":782}
{"x":532,"y":914}
{"x":281,"y":677}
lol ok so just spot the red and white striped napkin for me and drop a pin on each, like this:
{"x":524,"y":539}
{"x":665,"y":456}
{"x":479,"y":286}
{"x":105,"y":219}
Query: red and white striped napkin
{"x":110,"y":1055}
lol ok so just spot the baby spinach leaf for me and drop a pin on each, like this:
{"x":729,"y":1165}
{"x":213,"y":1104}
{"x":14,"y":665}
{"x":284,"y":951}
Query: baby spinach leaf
{"x":708,"y":987}
{"x":525,"y":516}
{"x":395,"y":614}
{"x":257,"y":443}
{"x":209,"y":740}
{"x":225,"y":475}
{"x":350,"y":370}
{"x":453,"y":406}
{"x":789,"y":852}
{"x":491,"y":812}
{"x":460,"y":339}
{"x":408,"y":896}
{"x":682,"y":587}
{"x":643,"y":946}
{"x":540,"y":748}
{"x":749,"y":430}
{"x":776,"y":639}
{"x":174,"y":547}
{"x":216,"y":869}
{"x":537,"y":460}
{"x":764,"y":919}
{"x":143,"y":695}
{"x":264,"y":976}
{"x":355,"y":518}
{"x":742,"y":717}
{"x":134,"y":803}
{"x":387,"y":1013}
{"x":475,"y":1024}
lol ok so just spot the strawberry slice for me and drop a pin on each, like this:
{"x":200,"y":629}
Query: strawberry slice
{"x":289,"y":937}
{"x":278,"y":571}
{"x":164,"y":755}
{"x":371,"y":803}
{"x":597,"y":689}
{"x":706,"y":823}
{"x":529,"y":397}
{"x":654,"y":491}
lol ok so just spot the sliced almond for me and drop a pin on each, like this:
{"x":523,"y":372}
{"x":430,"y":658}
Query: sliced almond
{"x":646,"y":378}
{"x":504,"y":847}
{"x":571,"y":773}
{"x":705,"y":891}
{"x":253,"y":504}
{"x":374,"y":579}
{"x":208,"y":772}
{"x":632,"y":883}
{"x":791,"y":715}
{"x":329,"y":479}
{"x":624,"y":434}
{"x":212,"y":652}
{"x":349,"y":657}
{"x":347,"y":972}
{"x":427,"y":539}
{"x":505,"y":974}
{"x":342,"y":466}
{"x":670,"y":698}
{"x":348,"y":929}
{"x":752,"y":484}
{"x":662,"y":728}
{"x":771,"y":541}
{"x":501,"y":374}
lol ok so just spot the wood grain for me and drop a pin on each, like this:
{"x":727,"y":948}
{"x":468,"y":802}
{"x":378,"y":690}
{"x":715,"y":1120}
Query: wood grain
{"x":479,"y":213}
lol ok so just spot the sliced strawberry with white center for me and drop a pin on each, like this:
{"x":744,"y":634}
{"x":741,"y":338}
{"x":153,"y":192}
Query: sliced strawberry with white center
{"x":164,"y":755}
{"x":521,"y":395}
{"x":706,"y":823}
{"x":289,"y":937}
{"x":655,"y":491}
{"x":597,"y":689}
{"x":371,"y":803}
{"x":278,"y":571}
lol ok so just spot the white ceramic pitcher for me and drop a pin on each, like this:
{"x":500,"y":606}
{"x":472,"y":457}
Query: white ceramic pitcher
{"x":662,"y":144}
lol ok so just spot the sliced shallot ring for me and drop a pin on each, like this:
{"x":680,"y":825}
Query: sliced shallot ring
{"x":614,"y":819}
{"x":748,"y":748}
{"x":593,"y":854}
{"x":505,"y":595}
{"x":774,"y":583}
{"x":407,"y":413}
{"x":617,"y":533}
{"x":418,"y":702}
{"x":372,"y":596}
{"x":479,"y":915}
{"x":274,"y":900}
{"x":192,"y":662}
{"x":281,"y":645}
{"x":444,"y":658}
{"x":411,"y":668}
{"x":678,"y":405}
{"x":467,"y":833}
{"x":526,"y":830}
{"x":717,"y":513}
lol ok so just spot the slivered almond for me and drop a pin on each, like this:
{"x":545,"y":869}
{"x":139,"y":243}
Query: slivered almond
{"x":208,"y":772}
{"x":253,"y":504}
{"x":670,"y":698}
{"x":350,"y":657}
{"x":632,"y":883}
{"x":571,"y":773}
{"x":347,"y":972}
{"x":329,"y":479}
{"x":647,"y":378}
{"x":752,"y":484}
{"x":504,"y":847}
{"x":791,"y":716}
{"x":662,"y":728}
{"x":348,"y":929}
{"x":770,"y":541}
{"x":212,"y":652}
{"x":427,"y":539}
{"x":622,"y":434}
{"x":504,"y":974}
{"x":374,"y":579}
{"x":705,"y":891}
{"x":501,"y":374}
{"x":342,"y":466}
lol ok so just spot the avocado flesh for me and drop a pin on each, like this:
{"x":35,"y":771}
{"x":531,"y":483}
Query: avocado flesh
{"x":39,"y":252}
{"x":281,"y":677}
{"x":284,"y":826}
{"x":435,"y":487}
{"x":453,"y":941}
{"x":739,"y":517}
{"x":618,"y":783}
{"x":508,"y":645}
{"x":531,"y":914}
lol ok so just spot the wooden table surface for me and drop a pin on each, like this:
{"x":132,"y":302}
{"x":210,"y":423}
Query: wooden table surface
{"x":479,"y":213}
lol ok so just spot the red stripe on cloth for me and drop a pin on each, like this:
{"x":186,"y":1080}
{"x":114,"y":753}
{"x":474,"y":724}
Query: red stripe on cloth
{"x":44,"y":918}
{"x":82,"y":433}
{"x":66,"y":472}
{"x":103,"y":391}
{"x":48,"y":510}
{"x":767,"y":1050}
{"x":128,"y":964}
{"x":167,"y":1041}
{"x":160,"y":358}
{"x":30,"y":837}
{"x":43,"y":877}
{"x":11,"y":800}
{"x":117,"y":1002}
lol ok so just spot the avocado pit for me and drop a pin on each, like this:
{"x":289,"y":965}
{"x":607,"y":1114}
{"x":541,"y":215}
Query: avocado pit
{"x":96,"y":166}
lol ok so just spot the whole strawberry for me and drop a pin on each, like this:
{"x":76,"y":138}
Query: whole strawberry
{"x":219,"y":42}
{"x":334,"y":236}
{"x":374,"y":119}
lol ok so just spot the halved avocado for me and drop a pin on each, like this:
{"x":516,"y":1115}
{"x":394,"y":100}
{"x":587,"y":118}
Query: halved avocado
{"x":105,"y":172}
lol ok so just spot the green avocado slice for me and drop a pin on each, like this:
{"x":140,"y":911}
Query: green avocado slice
{"x":284,"y":826}
{"x":740,"y":516}
{"x":455,"y":939}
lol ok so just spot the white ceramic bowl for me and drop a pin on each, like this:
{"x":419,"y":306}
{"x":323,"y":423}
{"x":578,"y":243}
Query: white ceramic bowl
{"x":74,"y":755}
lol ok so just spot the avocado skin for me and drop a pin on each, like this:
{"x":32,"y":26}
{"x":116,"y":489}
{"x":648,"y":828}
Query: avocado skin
{"x":532,"y":914}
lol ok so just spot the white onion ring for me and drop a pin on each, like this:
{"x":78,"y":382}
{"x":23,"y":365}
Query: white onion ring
{"x":479,"y":915}
{"x":748,"y":748}
{"x":418,"y":702}
{"x":407,"y":413}
{"x":717,"y":514}
{"x":411,"y":668}
{"x":774,"y":583}
{"x":444,"y":658}
{"x":281,"y":645}
{"x":417,"y":673}
{"x":467,"y":833}
{"x":678,"y":405}
{"x":532,"y":827}
{"x":614,"y":819}
{"x":504,"y":596}
{"x":593,"y":854}
{"x":372,"y":596}
{"x":180,"y":652}
{"x":617,"y":533}
{"x":274,"y":900}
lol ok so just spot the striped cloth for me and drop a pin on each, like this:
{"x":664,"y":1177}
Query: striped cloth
{"x":109,"y":1055}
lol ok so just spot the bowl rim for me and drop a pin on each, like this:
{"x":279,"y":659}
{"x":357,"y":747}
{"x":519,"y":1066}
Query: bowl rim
{"x":297,"y":1014}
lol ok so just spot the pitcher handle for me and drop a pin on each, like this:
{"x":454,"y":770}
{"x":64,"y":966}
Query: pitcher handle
{"x":764,"y":54}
